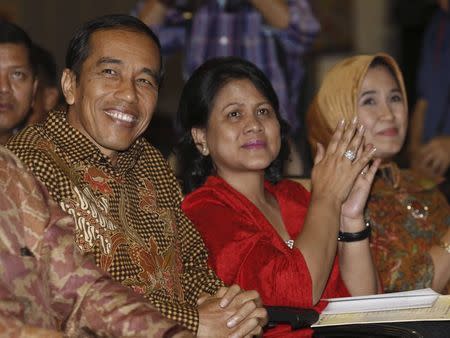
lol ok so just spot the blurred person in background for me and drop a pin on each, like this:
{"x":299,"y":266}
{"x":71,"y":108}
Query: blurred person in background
{"x":47,"y":93}
{"x":429,"y":142}
{"x":18,"y":81}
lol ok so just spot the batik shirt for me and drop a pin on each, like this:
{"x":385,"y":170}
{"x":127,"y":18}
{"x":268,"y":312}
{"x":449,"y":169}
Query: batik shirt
{"x":127,"y":215}
{"x":47,"y":287}
{"x":409,"y":215}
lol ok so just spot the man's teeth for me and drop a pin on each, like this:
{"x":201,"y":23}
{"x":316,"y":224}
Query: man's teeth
{"x":121,"y":116}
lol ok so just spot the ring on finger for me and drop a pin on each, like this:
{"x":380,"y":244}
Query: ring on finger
{"x":350,"y":155}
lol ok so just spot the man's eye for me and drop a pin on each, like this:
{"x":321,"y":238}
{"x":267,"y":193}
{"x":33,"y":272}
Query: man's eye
{"x":19,"y":75}
{"x":146,"y":82}
{"x":109,"y":71}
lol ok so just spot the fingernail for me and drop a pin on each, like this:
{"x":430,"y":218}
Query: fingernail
{"x":223,"y":303}
{"x":232,"y":322}
{"x":355,"y":119}
{"x":373,"y":150}
{"x":341,"y":123}
{"x":361,"y":128}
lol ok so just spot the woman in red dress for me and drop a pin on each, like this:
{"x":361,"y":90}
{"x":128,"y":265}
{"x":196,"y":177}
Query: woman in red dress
{"x":262,"y":232}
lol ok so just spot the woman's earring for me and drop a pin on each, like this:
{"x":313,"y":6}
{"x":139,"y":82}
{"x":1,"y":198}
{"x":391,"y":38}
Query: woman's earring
{"x":204,"y":150}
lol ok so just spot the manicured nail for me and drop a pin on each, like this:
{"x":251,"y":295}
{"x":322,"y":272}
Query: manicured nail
{"x":223,"y":303}
{"x":232,"y":322}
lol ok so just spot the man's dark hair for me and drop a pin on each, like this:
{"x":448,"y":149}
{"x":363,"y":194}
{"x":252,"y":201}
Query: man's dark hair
{"x":196,"y":103}
{"x":47,"y":70}
{"x":11,"y":33}
{"x":78,"y":50}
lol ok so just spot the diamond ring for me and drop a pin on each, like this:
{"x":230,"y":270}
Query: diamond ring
{"x":350,"y":155}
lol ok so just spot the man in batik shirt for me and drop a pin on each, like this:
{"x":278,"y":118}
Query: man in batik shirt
{"x":47,"y":287}
{"x":123,"y":197}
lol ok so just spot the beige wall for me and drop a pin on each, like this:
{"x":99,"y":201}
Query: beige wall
{"x":51,"y":23}
{"x":372,"y":33}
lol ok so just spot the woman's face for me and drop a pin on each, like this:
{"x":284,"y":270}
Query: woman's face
{"x":382,"y":111}
{"x":243,"y":132}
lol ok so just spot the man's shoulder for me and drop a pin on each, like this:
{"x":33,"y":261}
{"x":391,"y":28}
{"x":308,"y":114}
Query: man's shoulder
{"x":27,"y":140}
{"x":31,"y":146}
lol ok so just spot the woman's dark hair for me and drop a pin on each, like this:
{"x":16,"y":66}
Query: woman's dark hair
{"x":11,"y":33}
{"x":78,"y":50}
{"x":196,"y":103}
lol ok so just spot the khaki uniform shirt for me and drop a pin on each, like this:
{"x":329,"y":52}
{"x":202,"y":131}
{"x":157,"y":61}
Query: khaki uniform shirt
{"x":127,"y":215}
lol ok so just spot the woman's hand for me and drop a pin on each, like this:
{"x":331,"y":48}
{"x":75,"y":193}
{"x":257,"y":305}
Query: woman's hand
{"x":353,"y":207}
{"x":334,"y":175}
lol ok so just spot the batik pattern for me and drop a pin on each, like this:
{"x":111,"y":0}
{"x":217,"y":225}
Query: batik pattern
{"x":47,"y":286}
{"x":127,"y":215}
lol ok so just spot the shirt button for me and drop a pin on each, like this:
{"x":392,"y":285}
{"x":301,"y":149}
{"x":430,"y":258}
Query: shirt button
{"x":223,"y":40}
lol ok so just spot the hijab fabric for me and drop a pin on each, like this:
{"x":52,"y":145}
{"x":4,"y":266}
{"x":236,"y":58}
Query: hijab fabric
{"x":337,"y":97}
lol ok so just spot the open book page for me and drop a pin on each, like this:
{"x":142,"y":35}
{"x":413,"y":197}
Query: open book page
{"x":440,"y":310}
{"x":387,"y":301}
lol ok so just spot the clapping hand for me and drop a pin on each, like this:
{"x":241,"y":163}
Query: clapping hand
{"x":337,"y":169}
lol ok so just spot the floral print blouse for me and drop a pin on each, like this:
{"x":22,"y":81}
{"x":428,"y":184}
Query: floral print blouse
{"x":408,"y":216}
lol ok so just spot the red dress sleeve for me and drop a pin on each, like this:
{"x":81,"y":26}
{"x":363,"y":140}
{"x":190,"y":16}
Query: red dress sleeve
{"x":246,"y":250}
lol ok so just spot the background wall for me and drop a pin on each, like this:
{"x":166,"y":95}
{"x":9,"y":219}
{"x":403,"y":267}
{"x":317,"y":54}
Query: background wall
{"x":51,"y":23}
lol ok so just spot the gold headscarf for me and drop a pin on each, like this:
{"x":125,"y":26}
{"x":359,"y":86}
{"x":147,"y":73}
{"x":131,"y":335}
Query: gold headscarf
{"x":337,"y":97}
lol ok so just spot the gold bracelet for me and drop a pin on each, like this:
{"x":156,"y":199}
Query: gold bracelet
{"x":445,"y":246}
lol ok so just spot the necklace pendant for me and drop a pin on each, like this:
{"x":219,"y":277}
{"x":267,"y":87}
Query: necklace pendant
{"x":290,"y":243}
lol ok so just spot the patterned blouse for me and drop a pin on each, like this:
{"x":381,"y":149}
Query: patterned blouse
{"x":47,"y":287}
{"x":127,"y":215}
{"x":409,"y":215}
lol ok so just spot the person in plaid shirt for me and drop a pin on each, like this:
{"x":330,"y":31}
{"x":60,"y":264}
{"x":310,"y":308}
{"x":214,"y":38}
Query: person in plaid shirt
{"x":272,"y":34}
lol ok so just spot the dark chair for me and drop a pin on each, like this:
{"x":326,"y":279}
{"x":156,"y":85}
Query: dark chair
{"x":297,"y":318}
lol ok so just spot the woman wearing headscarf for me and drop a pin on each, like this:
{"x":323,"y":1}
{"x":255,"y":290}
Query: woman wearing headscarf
{"x":410,"y":219}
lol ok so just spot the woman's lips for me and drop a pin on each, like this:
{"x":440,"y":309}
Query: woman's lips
{"x":388,"y":132}
{"x":256,"y":144}
{"x":5,"y":106}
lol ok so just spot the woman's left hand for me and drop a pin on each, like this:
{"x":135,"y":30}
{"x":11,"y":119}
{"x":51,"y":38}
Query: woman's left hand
{"x":353,"y":207}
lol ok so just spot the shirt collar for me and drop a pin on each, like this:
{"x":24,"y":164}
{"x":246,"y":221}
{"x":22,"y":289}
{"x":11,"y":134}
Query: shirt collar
{"x":78,"y":147}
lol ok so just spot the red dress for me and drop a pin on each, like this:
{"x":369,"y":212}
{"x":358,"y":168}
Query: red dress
{"x":246,"y":250}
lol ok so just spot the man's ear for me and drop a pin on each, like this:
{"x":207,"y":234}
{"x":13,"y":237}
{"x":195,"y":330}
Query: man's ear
{"x":69,"y":85}
{"x":199,"y":137}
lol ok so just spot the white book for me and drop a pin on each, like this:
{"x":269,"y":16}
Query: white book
{"x":418,"y":305}
{"x":382,"y":302}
